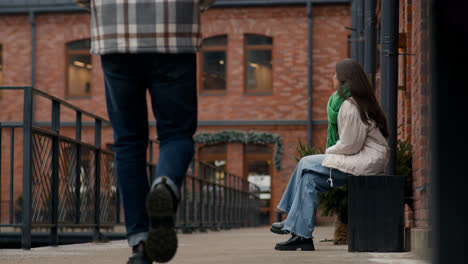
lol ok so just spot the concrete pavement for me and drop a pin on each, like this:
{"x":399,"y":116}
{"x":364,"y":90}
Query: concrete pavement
{"x":246,"y":245}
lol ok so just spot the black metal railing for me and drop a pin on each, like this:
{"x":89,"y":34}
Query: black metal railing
{"x":67,"y":182}
{"x":214,"y":199}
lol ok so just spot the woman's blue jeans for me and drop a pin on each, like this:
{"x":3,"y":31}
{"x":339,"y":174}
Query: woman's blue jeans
{"x":300,"y":199}
{"x":170,"y":80}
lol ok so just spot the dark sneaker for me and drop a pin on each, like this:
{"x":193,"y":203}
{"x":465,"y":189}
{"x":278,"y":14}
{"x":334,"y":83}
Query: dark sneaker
{"x":139,"y":255}
{"x":295,"y":242}
{"x":277,"y":228}
{"x":161,"y":244}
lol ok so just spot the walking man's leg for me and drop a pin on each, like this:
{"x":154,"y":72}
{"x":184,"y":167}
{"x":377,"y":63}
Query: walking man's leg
{"x":173,"y":93}
{"x":127,"y":109}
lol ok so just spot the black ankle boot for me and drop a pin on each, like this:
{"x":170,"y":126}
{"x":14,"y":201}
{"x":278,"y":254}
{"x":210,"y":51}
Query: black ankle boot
{"x":277,"y":228}
{"x":139,"y":255}
{"x":295,"y":242}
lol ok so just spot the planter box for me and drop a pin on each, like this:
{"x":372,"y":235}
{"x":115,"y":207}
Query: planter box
{"x":375,"y":213}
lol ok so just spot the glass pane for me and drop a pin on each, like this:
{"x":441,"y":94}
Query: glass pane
{"x":79,"y":75}
{"x":214,"y":70}
{"x":215,"y":41}
{"x":84,"y":44}
{"x":251,"y":39}
{"x":259,"y":174}
{"x":259,"y":70}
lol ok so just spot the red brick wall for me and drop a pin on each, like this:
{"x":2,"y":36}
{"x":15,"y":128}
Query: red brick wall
{"x":421,"y":116}
{"x":288,"y":26}
{"x":413,"y":103}
{"x":289,"y":29}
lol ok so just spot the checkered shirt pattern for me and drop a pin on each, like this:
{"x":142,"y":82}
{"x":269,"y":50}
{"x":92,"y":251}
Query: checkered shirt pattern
{"x":137,"y":26}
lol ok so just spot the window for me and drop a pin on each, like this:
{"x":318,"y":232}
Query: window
{"x":259,"y":165}
{"x":213,"y":61}
{"x":79,"y":68}
{"x":216,"y":156}
{"x":258,"y":64}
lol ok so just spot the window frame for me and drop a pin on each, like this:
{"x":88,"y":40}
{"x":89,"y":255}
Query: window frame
{"x":67,"y":61}
{"x":206,"y":158}
{"x":247,"y":48}
{"x":201,"y":68}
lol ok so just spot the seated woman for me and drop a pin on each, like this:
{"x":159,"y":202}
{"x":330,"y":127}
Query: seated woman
{"x":356,"y":145}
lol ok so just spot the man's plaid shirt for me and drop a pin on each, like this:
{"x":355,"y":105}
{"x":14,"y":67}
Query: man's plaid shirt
{"x":136,"y":26}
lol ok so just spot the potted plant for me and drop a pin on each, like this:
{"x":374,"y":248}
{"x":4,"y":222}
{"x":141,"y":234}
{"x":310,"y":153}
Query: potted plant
{"x":335,"y":201}
{"x":405,"y":167}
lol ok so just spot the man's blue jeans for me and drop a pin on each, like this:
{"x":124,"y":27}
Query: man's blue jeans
{"x":171,"y":82}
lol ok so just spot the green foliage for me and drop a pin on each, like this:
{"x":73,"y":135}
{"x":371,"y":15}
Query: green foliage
{"x":251,"y":137}
{"x":304,"y":150}
{"x":405,"y":163}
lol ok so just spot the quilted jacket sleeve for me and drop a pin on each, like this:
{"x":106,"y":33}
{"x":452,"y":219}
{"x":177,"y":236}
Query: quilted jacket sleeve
{"x":351,"y":130}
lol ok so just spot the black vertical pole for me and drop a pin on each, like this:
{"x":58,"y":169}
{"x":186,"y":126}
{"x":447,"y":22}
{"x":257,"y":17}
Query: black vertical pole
{"x":370,"y":41}
{"x":55,"y":173}
{"x":354,"y":32}
{"x":360,"y":30}
{"x":12,"y":171}
{"x":27,"y":168}
{"x":200,"y":196}
{"x":309,"y":117}
{"x":78,"y":168}
{"x":389,"y":74}
{"x":97,"y":179}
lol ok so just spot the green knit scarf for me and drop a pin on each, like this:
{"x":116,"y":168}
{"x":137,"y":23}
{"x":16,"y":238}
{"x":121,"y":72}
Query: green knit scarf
{"x":333,"y":107}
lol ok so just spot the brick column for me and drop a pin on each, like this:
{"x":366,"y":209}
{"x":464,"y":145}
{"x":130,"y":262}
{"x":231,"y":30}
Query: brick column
{"x":235,"y":159}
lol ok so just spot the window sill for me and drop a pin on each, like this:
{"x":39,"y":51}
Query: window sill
{"x":257,"y":93}
{"x":77,"y":97}
{"x":203,"y":93}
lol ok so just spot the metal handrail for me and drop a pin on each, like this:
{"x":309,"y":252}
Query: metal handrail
{"x":68,"y":182}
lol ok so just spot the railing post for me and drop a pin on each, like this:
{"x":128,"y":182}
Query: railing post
{"x":27,"y":168}
{"x":12,"y":171}
{"x":213,"y":198}
{"x":97,"y":179}
{"x":78,"y":168}
{"x":225,"y":204}
{"x":200,"y":196}
{"x":55,"y":173}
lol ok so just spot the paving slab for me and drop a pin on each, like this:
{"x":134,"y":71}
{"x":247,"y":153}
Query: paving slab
{"x":235,"y":246}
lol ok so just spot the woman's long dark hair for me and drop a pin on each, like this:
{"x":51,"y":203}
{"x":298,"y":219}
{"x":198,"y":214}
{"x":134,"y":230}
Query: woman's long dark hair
{"x":350,"y":73}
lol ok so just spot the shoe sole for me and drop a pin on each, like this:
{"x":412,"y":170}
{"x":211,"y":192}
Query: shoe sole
{"x":278,"y":231}
{"x":287,"y":248}
{"x":161,"y":244}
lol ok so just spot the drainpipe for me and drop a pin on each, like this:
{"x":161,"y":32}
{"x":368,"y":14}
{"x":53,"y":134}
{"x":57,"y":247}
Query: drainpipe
{"x":360,"y":30}
{"x":354,"y":34}
{"x":309,"y":117}
{"x":370,"y":41}
{"x":389,"y":74}
{"x":33,"y":47}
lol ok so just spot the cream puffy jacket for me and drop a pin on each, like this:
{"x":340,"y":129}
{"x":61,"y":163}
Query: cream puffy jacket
{"x":361,"y":149}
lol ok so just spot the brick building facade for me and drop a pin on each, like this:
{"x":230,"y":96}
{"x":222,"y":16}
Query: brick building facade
{"x":281,"y":109}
